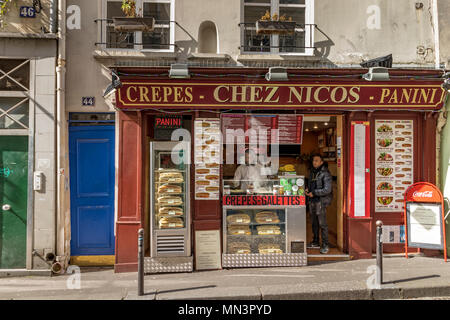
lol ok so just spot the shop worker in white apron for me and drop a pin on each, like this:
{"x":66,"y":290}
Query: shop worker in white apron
{"x":319,"y":193}
{"x":249,"y":175}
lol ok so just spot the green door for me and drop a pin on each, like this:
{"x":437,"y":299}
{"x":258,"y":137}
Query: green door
{"x":13,"y":201}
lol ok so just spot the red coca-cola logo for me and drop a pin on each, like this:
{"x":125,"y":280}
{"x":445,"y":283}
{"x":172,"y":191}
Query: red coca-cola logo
{"x":423,"y":194}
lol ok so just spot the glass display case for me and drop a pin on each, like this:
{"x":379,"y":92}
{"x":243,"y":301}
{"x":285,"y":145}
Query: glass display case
{"x":255,"y":231}
{"x":169,"y":199}
{"x":169,"y":206}
{"x":264,"y":222}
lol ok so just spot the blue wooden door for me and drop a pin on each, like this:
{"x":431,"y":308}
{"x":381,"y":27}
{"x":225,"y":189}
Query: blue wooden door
{"x":91,"y":151}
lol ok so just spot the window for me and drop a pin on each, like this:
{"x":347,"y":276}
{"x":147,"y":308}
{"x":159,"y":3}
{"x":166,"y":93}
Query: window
{"x":160,"y":39}
{"x":14,"y":94}
{"x":301,"y":42}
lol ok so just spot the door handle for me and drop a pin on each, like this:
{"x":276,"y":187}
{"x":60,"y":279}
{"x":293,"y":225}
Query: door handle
{"x":6,"y":207}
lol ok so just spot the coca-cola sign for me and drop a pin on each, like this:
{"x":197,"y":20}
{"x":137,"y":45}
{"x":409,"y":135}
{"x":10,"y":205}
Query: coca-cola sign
{"x":423,"y":194}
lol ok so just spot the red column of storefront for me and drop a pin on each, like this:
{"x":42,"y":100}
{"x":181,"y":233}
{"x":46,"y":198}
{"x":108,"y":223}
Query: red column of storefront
{"x":358,"y":229}
{"x":129,"y":211}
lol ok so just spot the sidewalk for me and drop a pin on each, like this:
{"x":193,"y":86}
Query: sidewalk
{"x":415,"y":277}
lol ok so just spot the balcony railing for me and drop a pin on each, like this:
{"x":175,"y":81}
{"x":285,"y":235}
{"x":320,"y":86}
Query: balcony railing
{"x":158,"y":39}
{"x":301,"y":42}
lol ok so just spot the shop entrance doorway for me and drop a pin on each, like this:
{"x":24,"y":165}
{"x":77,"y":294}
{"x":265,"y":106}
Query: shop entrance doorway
{"x":323,"y":134}
{"x":91,"y":148}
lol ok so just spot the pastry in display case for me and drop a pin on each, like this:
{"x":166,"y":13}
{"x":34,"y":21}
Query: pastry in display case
{"x":265,"y":248}
{"x":248,"y":229}
{"x":265,"y":230}
{"x":239,"y":248}
{"x":239,"y":230}
{"x":170,"y":222}
{"x":238,"y":218}
{"x":267,"y":217}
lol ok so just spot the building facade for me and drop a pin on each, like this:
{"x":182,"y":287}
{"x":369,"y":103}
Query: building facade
{"x":29,"y":82}
{"x":102,"y":144}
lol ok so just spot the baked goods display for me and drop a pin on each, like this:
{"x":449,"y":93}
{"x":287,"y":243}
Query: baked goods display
{"x":170,"y":222}
{"x":266,"y":248}
{"x":267,"y":217}
{"x":255,"y":231}
{"x":239,"y":248}
{"x":238,"y":218}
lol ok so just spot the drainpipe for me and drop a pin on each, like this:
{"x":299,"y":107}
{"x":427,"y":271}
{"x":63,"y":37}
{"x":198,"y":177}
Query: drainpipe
{"x":61,"y":132}
{"x":53,"y":16}
{"x":436,"y":34}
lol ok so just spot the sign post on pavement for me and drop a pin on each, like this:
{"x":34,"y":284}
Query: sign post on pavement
{"x":424,"y":218}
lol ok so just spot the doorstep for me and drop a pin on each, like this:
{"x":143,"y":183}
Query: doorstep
{"x":333,"y":254}
{"x":24,"y":272}
{"x":93,"y":261}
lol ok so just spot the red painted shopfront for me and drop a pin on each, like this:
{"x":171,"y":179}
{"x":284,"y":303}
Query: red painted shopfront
{"x":409,"y":98}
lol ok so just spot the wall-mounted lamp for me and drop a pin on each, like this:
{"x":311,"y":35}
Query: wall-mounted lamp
{"x":179,"y":71}
{"x":277,"y":74}
{"x":115,"y":83}
{"x":377,"y":74}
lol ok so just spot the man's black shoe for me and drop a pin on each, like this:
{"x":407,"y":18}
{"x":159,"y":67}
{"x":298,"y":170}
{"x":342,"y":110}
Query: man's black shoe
{"x":314,"y":245}
{"x":324,"y":250}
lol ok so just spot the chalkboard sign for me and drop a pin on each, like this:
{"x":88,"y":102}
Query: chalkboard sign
{"x":165,"y":125}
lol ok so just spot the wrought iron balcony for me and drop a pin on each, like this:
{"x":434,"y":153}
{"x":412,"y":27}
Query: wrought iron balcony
{"x":158,"y":39}
{"x":301,"y":41}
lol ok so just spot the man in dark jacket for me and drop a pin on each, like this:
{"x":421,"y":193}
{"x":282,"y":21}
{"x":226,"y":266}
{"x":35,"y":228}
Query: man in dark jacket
{"x":319,"y":192}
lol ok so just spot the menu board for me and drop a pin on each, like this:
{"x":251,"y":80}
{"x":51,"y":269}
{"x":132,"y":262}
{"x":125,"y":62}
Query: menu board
{"x":207,"y":146}
{"x":207,"y":250}
{"x":290,"y":126}
{"x":290,"y":129}
{"x":425,"y":225}
{"x":393,"y":163}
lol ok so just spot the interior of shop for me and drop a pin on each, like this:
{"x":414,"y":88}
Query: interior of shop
{"x":319,"y":136}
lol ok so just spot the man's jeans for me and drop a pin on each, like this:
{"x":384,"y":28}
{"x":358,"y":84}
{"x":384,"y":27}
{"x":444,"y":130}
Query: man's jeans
{"x":319,"y":221}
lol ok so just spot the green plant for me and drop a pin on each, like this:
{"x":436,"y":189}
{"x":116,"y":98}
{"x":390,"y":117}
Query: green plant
{"x":129,"y":8}
{"x":4,"y":7}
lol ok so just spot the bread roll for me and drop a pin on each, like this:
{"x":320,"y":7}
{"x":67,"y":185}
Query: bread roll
{"x":239,"y":230}
{"x":171,"y":211}
{"x":170,"y":222}
{"x":170,"y":189}
{"x":212,"y":165}
{"x":202,"y":182}
{"x":268,"y":230}
{"x":212,"y":189}
{"x":265,"y":248}
{"x":239,"y":248}
{"x":267,"y":217}
{"x":201,"y":171}
{"x":167,"y":200}
{"x":171,"y":177}
{"x":240,"y":218}
{"x":212,"y":177}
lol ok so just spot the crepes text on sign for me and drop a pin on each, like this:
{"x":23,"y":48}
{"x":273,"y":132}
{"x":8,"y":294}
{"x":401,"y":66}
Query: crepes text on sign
{"x":145,"y":94}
